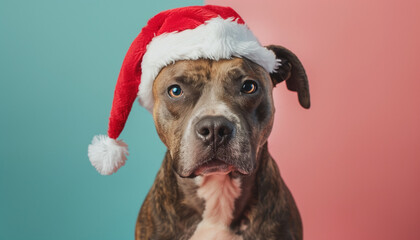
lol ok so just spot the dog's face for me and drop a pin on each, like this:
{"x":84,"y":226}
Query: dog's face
{"x":214,"y":116}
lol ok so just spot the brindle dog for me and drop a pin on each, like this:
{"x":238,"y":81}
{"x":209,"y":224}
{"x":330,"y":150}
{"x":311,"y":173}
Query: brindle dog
{"x":218,"y":180}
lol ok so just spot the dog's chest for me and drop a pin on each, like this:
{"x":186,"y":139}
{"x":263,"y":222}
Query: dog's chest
{"x":219,"y":193}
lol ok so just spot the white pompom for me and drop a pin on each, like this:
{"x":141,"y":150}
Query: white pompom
{"x":107,"y":155}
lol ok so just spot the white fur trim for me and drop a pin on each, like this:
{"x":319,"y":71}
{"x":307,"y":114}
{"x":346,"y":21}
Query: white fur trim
{"x":216,"y":39}
{"x":107,"y":155}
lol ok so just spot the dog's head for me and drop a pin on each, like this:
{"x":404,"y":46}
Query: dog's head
{"x":214,"y":116}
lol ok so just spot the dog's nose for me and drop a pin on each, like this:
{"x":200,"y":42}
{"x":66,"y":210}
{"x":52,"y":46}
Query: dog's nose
{"x":214,"y":129}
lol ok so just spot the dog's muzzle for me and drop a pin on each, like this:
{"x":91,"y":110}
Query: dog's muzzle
{"x":214,"y":135}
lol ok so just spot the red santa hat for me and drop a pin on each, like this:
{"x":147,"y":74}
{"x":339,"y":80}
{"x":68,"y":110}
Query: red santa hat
{"x":188,"y":33}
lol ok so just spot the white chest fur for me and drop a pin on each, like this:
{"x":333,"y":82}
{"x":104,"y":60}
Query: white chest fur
{"x":219,"y":193}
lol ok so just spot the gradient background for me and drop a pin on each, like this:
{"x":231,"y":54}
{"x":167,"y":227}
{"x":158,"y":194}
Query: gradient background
{"x":352,"y":161}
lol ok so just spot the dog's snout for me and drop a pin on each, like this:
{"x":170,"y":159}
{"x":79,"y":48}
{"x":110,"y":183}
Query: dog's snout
{"x":214,"y":129}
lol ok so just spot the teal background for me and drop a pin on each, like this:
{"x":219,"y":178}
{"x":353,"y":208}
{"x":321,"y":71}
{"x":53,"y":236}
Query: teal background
{"x":59,"y":61}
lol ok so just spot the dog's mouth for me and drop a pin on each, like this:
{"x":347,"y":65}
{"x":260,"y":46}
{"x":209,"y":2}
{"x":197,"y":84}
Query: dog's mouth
{"x":216,"y":167}
{"x":213,"y":167}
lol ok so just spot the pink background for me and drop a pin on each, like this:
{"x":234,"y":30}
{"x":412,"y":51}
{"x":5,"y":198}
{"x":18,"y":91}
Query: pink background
{"x":353,"y":160}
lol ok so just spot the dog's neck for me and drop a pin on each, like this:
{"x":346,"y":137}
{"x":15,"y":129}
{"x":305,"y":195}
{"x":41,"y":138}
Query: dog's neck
{"x":221,"y":199}
{"x":219,"y":193}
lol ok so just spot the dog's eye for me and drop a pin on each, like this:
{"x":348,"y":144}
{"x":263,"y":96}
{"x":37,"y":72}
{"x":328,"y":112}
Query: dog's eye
{"x":249,"y":87}
{"x":175,"y":91}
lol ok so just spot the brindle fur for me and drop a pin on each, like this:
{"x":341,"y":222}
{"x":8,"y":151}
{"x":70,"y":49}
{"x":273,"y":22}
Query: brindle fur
{"x":265,"y":209}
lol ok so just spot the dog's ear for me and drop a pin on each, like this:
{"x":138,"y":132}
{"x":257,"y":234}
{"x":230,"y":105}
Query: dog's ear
{"x":291,"y":71}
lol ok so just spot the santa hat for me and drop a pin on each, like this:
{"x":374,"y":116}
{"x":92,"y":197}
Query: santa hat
{"x":188,"y":33}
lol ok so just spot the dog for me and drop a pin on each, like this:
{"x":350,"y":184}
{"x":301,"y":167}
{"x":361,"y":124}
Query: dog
{"x":217,"y":179}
